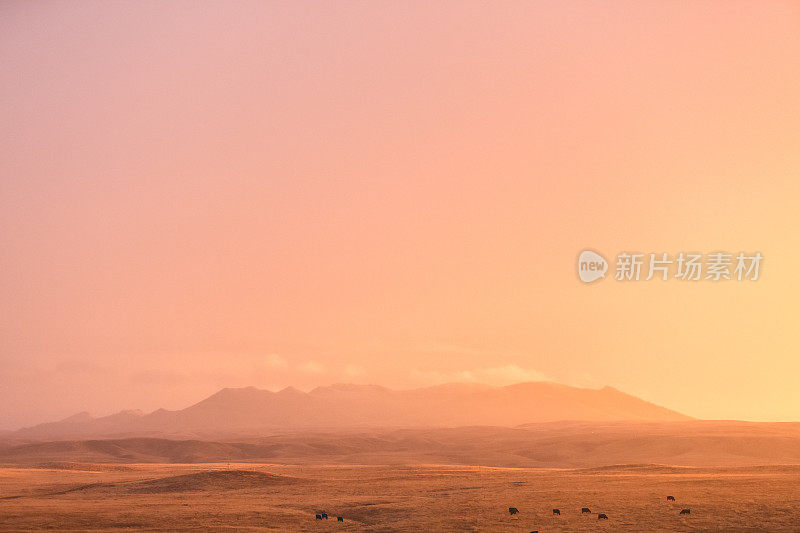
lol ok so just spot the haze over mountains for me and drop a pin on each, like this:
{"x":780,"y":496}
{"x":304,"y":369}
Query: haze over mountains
{"x":525,"y":425}
{"x":253,"y":412}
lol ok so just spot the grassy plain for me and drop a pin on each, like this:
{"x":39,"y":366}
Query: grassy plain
{"x":252,"y":497}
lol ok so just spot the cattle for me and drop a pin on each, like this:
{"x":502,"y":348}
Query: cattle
{"x":602,"y":516}
{"x":670,"y":498}
{"x":585,"y":510}
{"x":685,"y":511}
{"x":557,"y":511}
{"x":319,"y":517}
{"x":512,"y":511}
{"x":325,"y":515}
{"x":339,"y":519}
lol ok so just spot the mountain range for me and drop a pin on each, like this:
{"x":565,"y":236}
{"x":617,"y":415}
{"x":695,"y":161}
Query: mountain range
{"x":244,"y":412}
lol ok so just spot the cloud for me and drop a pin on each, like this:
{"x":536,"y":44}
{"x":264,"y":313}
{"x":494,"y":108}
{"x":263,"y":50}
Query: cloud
{"x":441,"y":348}
{"x":274,"y":360}
{"x":497,"y":375}
{"x":353,"y":371}
{"x":311,"y":367}
{"x":512,"y":374}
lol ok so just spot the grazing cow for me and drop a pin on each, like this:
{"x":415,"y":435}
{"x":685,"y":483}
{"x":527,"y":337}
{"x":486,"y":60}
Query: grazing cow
{"x":585,"y":510}
{"x":325,"y":515}
{"x":557,"y":511}
{"x":512,"y":511}
{"x":670,"y":498}
{"x":339,"y":519}
{"x":685,"y":511}
{"x":319,"y":517}
{"x":602,"y":516}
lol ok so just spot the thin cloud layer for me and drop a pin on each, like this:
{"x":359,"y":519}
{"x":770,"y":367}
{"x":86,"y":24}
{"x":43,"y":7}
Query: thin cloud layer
{"x":497,"y":375}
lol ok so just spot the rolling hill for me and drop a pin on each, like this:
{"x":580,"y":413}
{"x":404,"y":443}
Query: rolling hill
{"x":696,"y":443}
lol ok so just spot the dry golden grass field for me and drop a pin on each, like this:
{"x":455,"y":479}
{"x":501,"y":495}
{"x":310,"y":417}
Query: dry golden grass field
{"x":253,"y":497}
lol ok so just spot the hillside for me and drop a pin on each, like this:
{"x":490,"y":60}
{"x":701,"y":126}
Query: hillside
{"x":562,"y":444}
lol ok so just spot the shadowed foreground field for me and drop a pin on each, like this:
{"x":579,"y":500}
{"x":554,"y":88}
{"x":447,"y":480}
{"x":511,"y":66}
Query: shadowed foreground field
{"x":220,"y":496}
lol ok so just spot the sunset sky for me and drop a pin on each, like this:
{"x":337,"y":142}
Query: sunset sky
{"x":196,"y":195}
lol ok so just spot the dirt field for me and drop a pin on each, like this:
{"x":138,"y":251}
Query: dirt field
{"x":423,"y":498}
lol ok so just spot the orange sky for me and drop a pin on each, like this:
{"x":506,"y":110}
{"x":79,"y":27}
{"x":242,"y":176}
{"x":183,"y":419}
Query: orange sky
{"x":198,"y":195}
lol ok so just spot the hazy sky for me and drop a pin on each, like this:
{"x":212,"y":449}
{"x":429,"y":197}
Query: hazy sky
{"x":204,"y":194}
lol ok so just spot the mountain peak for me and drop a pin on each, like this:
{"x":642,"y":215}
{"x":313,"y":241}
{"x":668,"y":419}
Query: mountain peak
{"x":131,"y":412}
{"x":83,"y":416}
{"x":337,"y":388}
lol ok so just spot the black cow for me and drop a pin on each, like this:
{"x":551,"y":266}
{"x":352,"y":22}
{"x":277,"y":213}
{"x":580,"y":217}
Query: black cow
{"x":512,"y":511}
{"x":556,"y":511}
{"x":602,"y":516}
{"x":339,"y":519}
{"x":325,"y":515}
{"x":685,"y":511}
{"x":670,"y":498}
{"x":319,"y":517}
{"x":585,"y":510}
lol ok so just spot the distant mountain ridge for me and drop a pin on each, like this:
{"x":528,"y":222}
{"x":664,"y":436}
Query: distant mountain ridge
{"x":252,"y":412}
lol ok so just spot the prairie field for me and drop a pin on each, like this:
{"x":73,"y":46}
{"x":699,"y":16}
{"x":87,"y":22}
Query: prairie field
{"x":268,"y":497}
